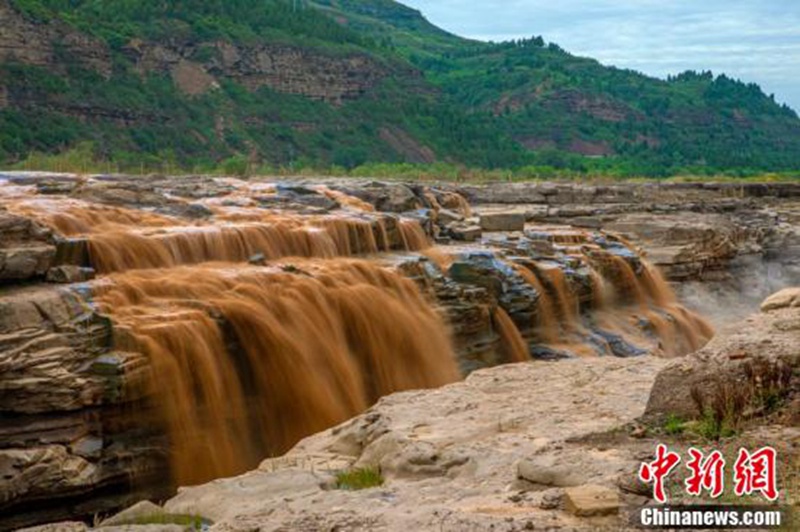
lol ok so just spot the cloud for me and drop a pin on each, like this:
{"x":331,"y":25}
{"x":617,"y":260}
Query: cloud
{"x":757,"y":41}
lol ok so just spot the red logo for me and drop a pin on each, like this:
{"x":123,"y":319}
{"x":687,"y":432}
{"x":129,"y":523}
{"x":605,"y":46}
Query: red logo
{"x":753,"y":473}
{"x":756,"y":473}
{"x":658,"y":470}
{"x":707,"y":473}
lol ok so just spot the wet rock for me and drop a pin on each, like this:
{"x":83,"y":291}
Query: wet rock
{"x":17,"y":264}
{"x":591,"y":501}
{"x":387,"y":197}
{"x":19,"y":229}
{"x":191,"y":211}
{"x":140,"y":193}
{"x":619,"y":346}
{"x":259,"y":259}
{"x":502,"y":221}
{"x":464,"y":232}
{"x":543,"y":352}
{"x":87,"y":447}
{"x":511,"y":291}
{"x":298,"y":195}
{"x":69,"y":274}
{"x":446,"y":217}
{"x":589,"y":222}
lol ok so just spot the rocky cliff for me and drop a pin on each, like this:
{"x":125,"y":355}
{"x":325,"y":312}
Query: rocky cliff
{"x":94,"y":264}
{"x":519,"y":447}
{"x":196,"y":67}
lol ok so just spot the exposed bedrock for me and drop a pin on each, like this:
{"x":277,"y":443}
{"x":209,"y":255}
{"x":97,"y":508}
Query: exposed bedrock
{"x":114,"y":290}
{"x":748,"y":367}
{"x":494,"y":451}
{"x":502,"y":458}
{"x":727,"y":245}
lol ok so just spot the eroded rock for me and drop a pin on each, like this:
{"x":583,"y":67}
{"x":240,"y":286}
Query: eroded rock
{"x":502,"y":221}
{"x":743,"y":365}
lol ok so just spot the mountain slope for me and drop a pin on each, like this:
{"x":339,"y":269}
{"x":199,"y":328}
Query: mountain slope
{"x":554,"y":103}
{"x":344,"y":82}
{"x":196,"y":82}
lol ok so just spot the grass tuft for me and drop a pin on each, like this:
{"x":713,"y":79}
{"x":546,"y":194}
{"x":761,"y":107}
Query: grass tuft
{"x":674,"y":425}
{"x":359,"y":478}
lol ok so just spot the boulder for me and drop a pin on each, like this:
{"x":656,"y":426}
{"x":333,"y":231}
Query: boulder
{"x":790,"y":297}
{"x":743,"y":364}
{"x":446,"y":216}
{"x":21,"y":263}
{"x":68,"y":273}
{"x":465,"y":232}
{"x":398,"y":198}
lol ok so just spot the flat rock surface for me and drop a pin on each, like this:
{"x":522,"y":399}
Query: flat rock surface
{"x":450,"y":457}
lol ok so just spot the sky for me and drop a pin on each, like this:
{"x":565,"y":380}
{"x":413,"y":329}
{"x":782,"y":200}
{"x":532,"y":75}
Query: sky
{"x":752,"y":40}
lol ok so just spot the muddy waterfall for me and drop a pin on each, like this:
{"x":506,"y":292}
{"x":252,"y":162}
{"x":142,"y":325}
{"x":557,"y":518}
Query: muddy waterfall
{"x":165,"y":332}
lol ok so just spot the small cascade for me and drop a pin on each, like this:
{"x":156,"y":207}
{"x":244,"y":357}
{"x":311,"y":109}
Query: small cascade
{"x":548,"y":327}
{"x":594,"y":295}
{"x":345,"y":200}
{"x":121,"y":239}
{"x":565,"y":300}
{"x":514,"y":346}
{"x":414,"y":237}
{"x":651,"y":304}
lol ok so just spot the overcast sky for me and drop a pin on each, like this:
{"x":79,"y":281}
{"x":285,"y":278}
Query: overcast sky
{"x":753,"y":40}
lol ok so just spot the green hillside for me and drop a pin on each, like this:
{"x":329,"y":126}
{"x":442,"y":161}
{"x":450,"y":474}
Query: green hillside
{"x":346,"y":82}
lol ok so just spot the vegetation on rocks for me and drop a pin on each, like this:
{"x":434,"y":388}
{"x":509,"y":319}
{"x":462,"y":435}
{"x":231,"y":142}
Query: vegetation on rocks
{"x":359,"y":478}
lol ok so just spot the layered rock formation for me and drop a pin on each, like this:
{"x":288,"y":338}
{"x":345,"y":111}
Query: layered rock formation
{"x":522,"y":447}
{"x":331,"y":78}
{"x":79,"y":355}
{"x":195,"y":67}
{"x":28,"y":42}
{"x":729,"y":245}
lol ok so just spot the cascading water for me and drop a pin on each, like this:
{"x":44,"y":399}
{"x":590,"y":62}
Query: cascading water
{"x":246,"y":359}
{"x":120,"y":239}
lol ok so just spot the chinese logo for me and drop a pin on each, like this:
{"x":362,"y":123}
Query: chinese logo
{"x":753,"y":473}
